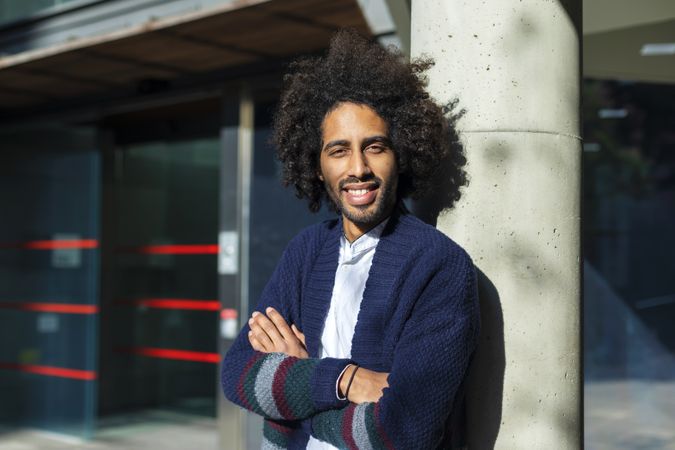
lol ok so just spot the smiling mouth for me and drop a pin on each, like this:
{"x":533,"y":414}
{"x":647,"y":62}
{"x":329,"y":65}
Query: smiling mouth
{"x":361,"y":194}
{"x":357,"y":191}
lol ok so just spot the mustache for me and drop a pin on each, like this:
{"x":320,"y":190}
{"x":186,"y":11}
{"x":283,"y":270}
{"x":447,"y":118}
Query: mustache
{"x":349,"y":180}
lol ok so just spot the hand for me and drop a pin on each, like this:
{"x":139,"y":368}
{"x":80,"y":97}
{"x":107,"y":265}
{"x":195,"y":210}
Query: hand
{"x":271,"y":333}
{"x":367,"y":385}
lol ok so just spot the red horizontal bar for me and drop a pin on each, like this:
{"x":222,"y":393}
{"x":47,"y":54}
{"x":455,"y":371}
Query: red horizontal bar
{"x":63,"y":308}
{"x":174,"y":303}
{"x":51,"y":371}
{"x":196,"y":249}
{"x":168,"y":353}
{"x":53,"y":244}
{"x":229,"y":313}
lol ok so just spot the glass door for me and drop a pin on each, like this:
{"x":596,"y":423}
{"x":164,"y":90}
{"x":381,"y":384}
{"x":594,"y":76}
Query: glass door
{"x":49,"y":266}
{"x":160,"y":330}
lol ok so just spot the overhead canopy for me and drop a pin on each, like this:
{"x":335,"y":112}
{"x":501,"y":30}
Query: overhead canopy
{"x":243,"y":33}
{"x":615,"y":32}
{"x":161,"y":51}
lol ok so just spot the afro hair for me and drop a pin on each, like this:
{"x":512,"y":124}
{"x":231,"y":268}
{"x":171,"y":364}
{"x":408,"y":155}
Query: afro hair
{"x":354,"y":69}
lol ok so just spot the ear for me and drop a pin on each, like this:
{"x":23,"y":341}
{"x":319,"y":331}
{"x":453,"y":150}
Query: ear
{"x":319,"y":176}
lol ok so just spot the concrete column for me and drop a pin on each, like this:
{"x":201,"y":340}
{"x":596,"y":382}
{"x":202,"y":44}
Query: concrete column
{"x":514,"y":65}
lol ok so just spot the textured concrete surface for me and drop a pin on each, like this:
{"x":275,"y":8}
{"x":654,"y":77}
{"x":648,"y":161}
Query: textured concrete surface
{"x":514,"y":65}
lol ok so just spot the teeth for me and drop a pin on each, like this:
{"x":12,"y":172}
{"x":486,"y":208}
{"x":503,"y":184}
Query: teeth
{"x":358,"y":191}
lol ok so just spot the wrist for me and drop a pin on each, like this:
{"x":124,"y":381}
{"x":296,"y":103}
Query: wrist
{"x":345,"y":378}
{"x":338,"y":389}
{"x":323,"y":381}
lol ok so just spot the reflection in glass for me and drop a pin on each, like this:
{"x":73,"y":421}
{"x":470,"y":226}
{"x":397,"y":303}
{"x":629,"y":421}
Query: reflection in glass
{"x":161,"y":326}
{"x":49,"y":265}
{"x":629,"y":288}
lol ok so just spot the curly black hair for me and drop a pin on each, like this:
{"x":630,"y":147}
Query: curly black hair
{"x":355,"y":69}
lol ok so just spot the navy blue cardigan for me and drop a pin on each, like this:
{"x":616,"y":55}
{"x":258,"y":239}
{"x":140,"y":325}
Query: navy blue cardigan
{"x":419,"y":320}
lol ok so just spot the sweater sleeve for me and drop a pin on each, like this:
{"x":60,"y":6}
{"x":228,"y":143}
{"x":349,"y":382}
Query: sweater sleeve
{"x":274,"y":385}
{"x":430,"y":362}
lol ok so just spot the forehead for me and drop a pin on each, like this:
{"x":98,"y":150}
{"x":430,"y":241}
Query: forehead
{"x":353,"y":118}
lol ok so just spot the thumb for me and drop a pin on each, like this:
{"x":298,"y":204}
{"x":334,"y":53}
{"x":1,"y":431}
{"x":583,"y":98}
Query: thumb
{"x":298,"y":334}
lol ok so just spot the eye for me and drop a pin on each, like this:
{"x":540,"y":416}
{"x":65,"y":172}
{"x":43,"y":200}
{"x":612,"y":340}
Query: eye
{"x":337,"y":151}
{"x":376,"y":148}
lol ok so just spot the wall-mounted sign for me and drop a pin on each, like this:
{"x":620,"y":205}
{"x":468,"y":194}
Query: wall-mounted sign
{"x":228,"y":253}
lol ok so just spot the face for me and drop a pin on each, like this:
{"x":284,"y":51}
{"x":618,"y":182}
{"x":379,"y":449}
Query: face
{"x":358,"y":165}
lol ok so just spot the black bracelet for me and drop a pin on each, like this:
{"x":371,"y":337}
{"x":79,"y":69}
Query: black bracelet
{"x":351,"y":378}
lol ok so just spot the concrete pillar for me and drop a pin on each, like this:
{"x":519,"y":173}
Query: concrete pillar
{"x":514,"y":65}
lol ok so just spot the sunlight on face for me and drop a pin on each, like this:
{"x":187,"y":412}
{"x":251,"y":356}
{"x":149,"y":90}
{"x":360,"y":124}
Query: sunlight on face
{"x":358,"y":165}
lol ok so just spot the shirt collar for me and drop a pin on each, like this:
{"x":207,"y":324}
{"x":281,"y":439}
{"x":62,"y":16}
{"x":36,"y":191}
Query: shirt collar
{"x":364,"y":242}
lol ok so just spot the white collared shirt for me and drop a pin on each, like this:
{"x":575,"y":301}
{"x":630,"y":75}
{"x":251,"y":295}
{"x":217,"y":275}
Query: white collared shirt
{"x":350,"y":281}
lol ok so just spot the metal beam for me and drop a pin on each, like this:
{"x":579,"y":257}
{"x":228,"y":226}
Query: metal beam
{"x":150,"y":23}
{"x":133,"y":62}
{"x":68,"y":77}
{"x":290,"y":17}
{"x":212,"y":44}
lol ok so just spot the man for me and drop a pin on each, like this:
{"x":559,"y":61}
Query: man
{"x":363,"y":335}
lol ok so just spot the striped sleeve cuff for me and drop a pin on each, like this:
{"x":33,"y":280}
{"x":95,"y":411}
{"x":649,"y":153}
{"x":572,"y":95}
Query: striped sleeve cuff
{"x":277,"y":386}
{"x":276,"y":436}
{"x":325,"y":374}
{"x":354,"y":427}
{"x":284,"y":387}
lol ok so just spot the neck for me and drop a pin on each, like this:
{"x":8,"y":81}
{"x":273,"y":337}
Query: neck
{"x":353,"y":230}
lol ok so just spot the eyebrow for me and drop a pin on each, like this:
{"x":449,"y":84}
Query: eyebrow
{"x":335,"y":143}
{"x":372,"y":139}
{"x":366,"y":142}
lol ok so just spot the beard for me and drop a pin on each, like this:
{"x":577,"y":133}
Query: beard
{"x":370,"y":214}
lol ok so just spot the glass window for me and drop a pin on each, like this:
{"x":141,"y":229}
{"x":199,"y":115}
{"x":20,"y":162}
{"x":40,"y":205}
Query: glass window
{"x":271,"y":227}
{"x":629,"y":244}
{"x":159,"y":333}
{"x":49,"y":266}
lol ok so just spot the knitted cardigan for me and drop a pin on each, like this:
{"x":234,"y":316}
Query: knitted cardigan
{"x":419,"y":320}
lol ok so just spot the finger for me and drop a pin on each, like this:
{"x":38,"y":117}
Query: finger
{"x":262,"y":341}
{"x":257,"y":346}
{"x":298,"y":334}
{"x":280,"y":323}
{"x":270,"y":329}
{"x":256,"y":322}
{"x":261,"y":335}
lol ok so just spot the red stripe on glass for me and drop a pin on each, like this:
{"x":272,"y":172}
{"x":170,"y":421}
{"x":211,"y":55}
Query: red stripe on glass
{"x":51,"y":371}
{"x":174,"y":303}
{"x":53,"y":244}
{"x":169,"y":353}
{"x":196,"y":249}
{"x":62,"y":308}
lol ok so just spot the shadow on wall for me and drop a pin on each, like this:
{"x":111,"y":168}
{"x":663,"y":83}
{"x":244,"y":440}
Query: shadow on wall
{"x":485,"y":384}
{"x":485,"y":379}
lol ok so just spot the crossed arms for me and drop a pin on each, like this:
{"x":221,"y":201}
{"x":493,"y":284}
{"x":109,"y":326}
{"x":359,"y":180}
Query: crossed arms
{"x":271,"y":333}
{"x":271,"y":376}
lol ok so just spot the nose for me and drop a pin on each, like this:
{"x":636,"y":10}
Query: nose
{"x":358,"y":164}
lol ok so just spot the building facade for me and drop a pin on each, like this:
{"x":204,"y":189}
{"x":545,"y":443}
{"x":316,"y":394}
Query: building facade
{"x":141,"y":210}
